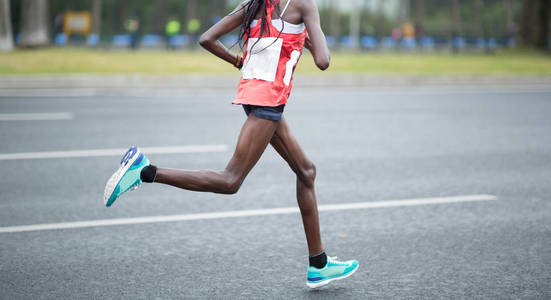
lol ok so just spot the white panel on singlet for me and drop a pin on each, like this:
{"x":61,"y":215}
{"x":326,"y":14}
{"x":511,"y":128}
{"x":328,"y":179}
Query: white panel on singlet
{"x":262,"y":60}
{"x":295,"y":55}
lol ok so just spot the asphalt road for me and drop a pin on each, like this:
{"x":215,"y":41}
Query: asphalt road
{"x":369,"y":144}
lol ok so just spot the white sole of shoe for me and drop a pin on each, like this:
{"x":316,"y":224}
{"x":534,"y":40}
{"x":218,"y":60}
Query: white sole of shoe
{"x":117,"y":176}
{"x":326,"y":282}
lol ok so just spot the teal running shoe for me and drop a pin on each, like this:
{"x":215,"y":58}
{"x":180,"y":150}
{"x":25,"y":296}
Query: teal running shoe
{"x":127,"y":177}
{"x":333,"y":270}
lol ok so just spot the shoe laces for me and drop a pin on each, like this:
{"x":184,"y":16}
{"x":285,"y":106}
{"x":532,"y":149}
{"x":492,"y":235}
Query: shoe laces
{"x":334,"y":259}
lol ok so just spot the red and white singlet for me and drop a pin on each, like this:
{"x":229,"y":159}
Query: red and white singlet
{"x":267,"y":72}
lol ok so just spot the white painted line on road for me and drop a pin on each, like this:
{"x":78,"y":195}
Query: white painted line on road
{"x":114,"y":152}
{"x":53,"y":92}
{"x":353,"y":91}
{"x":246,"y":213}
{"x":37,"y":116}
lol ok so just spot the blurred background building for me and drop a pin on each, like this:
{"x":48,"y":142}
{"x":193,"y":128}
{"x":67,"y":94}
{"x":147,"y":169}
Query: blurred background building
{"x":380,"y":25}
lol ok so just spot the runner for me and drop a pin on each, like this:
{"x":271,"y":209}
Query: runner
{"x":273,"y":34}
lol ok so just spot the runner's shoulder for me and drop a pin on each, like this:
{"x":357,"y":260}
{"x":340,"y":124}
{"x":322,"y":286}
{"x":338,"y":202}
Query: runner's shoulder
{"x":304,"y":5}
{"x":240,"y":7}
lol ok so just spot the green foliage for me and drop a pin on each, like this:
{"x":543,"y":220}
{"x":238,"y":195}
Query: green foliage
{"x":153,"y":16}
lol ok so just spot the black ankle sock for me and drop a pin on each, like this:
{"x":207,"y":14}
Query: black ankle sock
{"x":149,"y":173}
{"x":319,"y":260}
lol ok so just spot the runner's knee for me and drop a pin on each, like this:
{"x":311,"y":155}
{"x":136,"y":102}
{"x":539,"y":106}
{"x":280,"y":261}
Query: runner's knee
{"x":307,"y":175}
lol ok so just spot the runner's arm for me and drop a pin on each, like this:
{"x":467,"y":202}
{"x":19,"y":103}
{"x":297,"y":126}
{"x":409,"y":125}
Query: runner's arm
{"x":315,"y":42}
{"x":209,"y":39}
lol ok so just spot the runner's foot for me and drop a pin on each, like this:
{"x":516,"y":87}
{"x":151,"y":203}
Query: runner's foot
{"x":127,"y":177}
{"x":333,"y":270}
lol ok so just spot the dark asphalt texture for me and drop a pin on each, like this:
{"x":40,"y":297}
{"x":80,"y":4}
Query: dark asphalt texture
{"x":369,"y":144}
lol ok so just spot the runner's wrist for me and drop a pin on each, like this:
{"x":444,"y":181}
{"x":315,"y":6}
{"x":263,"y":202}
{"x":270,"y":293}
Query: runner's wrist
{"x":238,"y":62}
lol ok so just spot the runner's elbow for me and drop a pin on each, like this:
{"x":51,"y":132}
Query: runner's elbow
{"x":323,"y":64}
{"x":205,"y":40}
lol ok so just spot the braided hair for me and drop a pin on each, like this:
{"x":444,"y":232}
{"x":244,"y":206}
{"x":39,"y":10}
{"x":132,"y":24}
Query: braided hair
{"x":251,"y":9}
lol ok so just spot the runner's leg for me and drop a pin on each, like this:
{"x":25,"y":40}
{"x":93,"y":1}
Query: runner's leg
{"x":288,"y":147}
{"x":253,"y":140}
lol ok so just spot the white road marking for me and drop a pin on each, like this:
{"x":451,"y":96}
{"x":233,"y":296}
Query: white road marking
{"x":246,"y":213}
{"x":51,"y":92}
{"x":113,"y":152}
{"x":443,"y":91}
{"x":37,"y":116}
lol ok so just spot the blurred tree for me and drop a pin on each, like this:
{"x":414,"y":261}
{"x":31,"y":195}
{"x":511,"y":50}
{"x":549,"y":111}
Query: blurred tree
{"x":96,"y":15}
{"x":160,"y":16}
{"x":381,"y":32}
{"x":367,"y":19}
{"x":6,"y":38}
{"x":403,"y":11}
{"x":191,"y":9}
{"x":431,"y":17}
{"x":511,"y":26}
{"x":123,"y":14}
{"x":222,"y":6}
{"x":216,"y":10}
{"x":419,"y":17}
{"x":534,"y":26}
{"x":509,"y":9}
{"x":478,"y":10}
{"x":334,"y":19}
{"x":355,"y":24}
{"x":456,"y":32}
{"x":456,"y":19}
{"x":193,"y":22}
{"x":35,"y":23}
{"x":526,"y":21}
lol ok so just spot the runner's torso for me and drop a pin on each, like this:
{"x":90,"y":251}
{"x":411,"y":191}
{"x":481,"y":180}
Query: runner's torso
{"x":269,"y":62}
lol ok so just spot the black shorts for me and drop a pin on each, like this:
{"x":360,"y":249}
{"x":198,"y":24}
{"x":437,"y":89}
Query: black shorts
{"x":265,"y":112}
